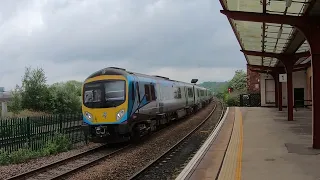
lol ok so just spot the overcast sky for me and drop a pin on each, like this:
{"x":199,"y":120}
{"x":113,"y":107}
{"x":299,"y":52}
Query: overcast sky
{"x":70,"y":39}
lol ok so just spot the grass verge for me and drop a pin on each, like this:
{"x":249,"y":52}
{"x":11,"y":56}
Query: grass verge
{"x":60,"y":143}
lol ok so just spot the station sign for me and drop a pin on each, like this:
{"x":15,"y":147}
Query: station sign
{"x":282,"y":77}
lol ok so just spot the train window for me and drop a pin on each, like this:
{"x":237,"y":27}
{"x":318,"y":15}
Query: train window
{"x":133,"y":92}
{"x":190,"y":93}
{"x":198,"y":93}
{"x":153,"y":92}
{"x":114,"y":90}
{"x":138,"y":91}
{"x":147,"y":92}
{"x":92,"y":96}
{"x":177,"y":93}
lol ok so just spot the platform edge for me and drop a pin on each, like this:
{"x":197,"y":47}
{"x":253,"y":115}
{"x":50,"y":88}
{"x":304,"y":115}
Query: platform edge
{"x":200,"y":153}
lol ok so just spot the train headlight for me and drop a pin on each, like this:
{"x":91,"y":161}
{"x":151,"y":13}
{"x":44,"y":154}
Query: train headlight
{"x":88,"y":115}
{"x":120,"y":114}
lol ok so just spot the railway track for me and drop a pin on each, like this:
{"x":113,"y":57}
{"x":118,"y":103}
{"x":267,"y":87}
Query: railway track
{"x":70,"y":165}
{"x":169,"y":164}
{"x":64,"y":168}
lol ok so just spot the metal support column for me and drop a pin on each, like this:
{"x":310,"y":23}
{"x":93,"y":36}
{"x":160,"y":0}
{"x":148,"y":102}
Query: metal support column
{"x":280,"y":95}
{"x":313,"y":37}
{"x":276,"y":87}
{"x":288,"y":62}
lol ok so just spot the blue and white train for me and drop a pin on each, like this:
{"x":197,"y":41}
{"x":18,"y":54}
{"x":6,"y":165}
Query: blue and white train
{"x":119,"y":105}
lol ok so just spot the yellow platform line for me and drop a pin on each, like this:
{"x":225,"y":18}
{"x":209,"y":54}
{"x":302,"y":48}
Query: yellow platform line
{"x":239,"y":162}
{"x":231,"y":167}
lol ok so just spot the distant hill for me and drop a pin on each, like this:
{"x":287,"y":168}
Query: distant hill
{"x":214,"y":86}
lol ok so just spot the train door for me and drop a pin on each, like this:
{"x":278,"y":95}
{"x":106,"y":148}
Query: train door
{"x":148,"y":98}
{"x":160,"y":97}
{"x":186,"y":94}
{"x":194,"y":95}
{"x":136,"y":89}
{"x":139,"y":92}
{"x":157,"y":95}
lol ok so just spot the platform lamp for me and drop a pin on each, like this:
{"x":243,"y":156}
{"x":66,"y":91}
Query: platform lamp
{"x":268,"y":74}
{"x":194,"y":81}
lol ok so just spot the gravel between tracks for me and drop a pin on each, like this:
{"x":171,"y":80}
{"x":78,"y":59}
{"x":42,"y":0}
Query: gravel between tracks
{"x":15,"y":169}
{"x":131,"y":160}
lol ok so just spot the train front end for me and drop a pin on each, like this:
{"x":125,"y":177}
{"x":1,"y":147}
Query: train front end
{"x":105,"y":108}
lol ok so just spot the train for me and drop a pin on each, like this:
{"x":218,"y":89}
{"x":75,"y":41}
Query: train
{"x":119,"y":105}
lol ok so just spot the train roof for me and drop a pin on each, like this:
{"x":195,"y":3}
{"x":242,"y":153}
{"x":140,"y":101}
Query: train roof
{"x":124,"y":72}
{"x":109,"y":71}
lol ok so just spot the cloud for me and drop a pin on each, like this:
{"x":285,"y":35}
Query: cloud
{"x":71,"y":39}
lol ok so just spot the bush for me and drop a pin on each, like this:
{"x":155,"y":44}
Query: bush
{"x":232,"y":99}
{"x":60,"y":143}
{"x":64,"y":99}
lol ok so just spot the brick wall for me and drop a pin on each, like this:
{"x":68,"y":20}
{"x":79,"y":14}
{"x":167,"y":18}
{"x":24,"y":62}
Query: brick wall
{"x":253,"y":81}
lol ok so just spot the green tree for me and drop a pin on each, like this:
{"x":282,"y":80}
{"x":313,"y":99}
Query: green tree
{"x":65,"y":98}
{"x":75,"y":86}
{"x":239,"y":85}
{"x":213,"y":86}
{"x":35,"y":93}
{"x":15,"y":105}
{"x":222,"y":90}
{"x":239,"y":81}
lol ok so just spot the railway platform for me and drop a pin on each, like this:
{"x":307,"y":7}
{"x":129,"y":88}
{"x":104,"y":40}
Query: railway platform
{"x":257,"y":143}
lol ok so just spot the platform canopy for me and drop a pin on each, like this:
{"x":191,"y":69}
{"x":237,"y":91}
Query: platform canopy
{"x":268,"y":37}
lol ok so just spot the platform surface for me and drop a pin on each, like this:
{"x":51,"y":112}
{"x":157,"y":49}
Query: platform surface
{"x":274,"y":148}
{"x":260,"y":144}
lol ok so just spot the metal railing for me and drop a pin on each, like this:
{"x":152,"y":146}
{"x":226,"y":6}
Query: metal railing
{"x":250,"y":100}
{"x":35,"y":132}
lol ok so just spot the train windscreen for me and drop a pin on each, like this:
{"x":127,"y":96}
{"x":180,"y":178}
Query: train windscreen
{"x":104,"y":94}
